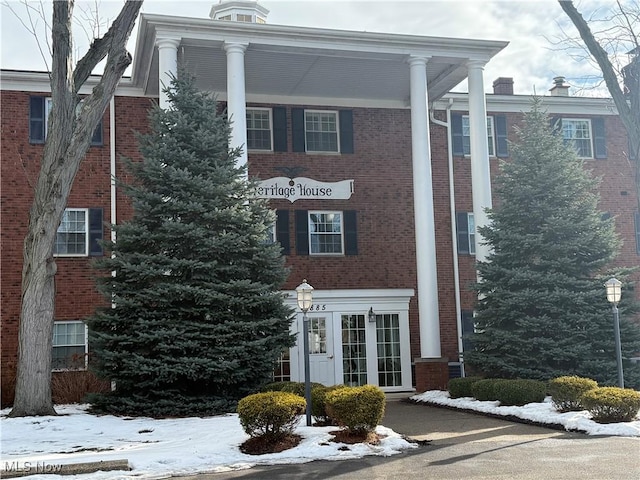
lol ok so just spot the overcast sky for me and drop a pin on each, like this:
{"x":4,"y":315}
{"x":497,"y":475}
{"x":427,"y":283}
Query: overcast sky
{"x":531,"y":27}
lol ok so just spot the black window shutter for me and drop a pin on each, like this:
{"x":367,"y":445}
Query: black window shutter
{"x":638,"y":232}
{"x":500,"y":123}
{"x":96,"y":139}
{"x":36,"y":119}
{"x":282,"y":230}
{"x":279,"y":129}
{"x":456,"y":134}
{"x":462,"y":229}
{"x":599,"y":138}
{"x":350,"y":232}
{"x":556,"y":125}
{"x":297,"y":129}
{"x":95,"y":232}
{"x":346,"y":131}
{"x":302,"y":232}
{"x":467,"y":330}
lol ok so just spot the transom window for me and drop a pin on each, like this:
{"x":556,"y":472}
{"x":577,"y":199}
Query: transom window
{"x":578,"y":133}
{"x":72,"y":237}
{"x":321,"y":131}
{"x":326,"y":233}
{"x":466,"y":136}
{"x":259,"y":135}
{"x":69,"y":345}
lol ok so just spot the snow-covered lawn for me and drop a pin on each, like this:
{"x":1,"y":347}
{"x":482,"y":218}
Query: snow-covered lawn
{"x":542,"y":413}
{"x":161,"y":448}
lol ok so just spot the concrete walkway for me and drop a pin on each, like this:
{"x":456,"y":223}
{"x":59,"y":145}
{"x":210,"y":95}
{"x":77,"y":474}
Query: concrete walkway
{"x":459,"y":445}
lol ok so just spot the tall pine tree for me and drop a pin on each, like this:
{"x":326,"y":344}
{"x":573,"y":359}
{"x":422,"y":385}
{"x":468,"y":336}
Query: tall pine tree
{"x":542,"y":310}
{"x":197,"y":320}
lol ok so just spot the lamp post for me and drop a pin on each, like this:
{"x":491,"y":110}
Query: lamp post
{"x":614,"y":292}
{"x":304,"y":293}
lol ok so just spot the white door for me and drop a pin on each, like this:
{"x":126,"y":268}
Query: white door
{"x":321,"y":355}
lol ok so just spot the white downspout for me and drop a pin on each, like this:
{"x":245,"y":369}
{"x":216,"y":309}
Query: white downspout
{"x":454,"y":236}
{"x":112,"y":163}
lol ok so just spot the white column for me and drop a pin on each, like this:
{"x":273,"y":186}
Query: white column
{"x":423,"y":211}
{"x":480,"y":169}
{"x":236,"y":98}
{"x":167,"y":65}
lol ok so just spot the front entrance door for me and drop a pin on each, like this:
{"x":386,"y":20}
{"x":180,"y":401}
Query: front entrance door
{"x":321,"y":355}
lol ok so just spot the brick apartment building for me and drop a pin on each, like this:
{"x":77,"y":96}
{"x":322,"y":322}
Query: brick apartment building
{"x":378,"y":174}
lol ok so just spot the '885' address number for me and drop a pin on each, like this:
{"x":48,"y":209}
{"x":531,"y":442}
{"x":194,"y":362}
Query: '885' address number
{"x":317,"y":307}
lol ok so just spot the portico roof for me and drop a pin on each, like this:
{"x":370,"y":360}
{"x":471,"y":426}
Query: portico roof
{"x":306,"y":65}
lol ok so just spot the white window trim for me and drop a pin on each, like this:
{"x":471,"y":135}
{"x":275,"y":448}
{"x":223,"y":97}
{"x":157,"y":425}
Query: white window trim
{"x":491,"y":135}
{"x":86,"y":346}
{"x":471,"y":233}
{"x":270,"y":129}
{"x":326,"y":212}
{"x":323,"y":152}
{"x":86,"y":234}
{"x":592,"y":146}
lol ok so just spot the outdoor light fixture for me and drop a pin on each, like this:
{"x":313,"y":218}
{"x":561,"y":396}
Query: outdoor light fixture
{"x":371,"y":315}
{"x":614,"y":292}
{"x":304,"y":293}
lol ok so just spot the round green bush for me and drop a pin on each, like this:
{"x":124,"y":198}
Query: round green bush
{"x":519,"y":391}
{"x":567,"y":391}
{"x":461,"y":387}
{"x":270,"y":414}
{"x":484,"y":390}
{"x":358,"y":409}
{"x":318,"y":403}
{"x":612,"y":404}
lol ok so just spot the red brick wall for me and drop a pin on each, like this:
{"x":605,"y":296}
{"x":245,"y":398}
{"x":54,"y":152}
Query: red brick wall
{"x":383,"y":199}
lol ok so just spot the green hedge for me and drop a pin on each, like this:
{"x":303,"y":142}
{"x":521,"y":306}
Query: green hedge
{"x":318,"y":403}
{"x":566,"y":392}
{"x":358,"y":409}
{"x":520,"y":392}
{"x":484,"y":390}
{"x":270,"y":414}
{"x":461,"y":387}
{"x":612,"y":404}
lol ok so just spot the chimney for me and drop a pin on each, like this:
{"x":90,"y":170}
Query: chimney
{"x":503,"y":86}
{"x":559,"y":88}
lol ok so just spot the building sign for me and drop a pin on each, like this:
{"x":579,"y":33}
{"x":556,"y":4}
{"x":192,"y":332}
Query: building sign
{"x":301,"y":187}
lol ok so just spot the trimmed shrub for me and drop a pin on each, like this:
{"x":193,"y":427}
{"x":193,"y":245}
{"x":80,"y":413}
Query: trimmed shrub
{"x":318,"y":403}
{"x":358,"y":409}
{"x":275,"y":386}
{"x":567,"y":391}
{"x":519,"y":391}
{"x":271,"y":415}
{"x":461,"y":387}
{"x":611,"y":404}
{"x":484,"y":390}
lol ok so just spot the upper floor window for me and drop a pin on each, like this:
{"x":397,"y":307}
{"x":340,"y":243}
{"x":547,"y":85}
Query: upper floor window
{"x":245,"y":18}
{"x":321,"y":131}
{"x":325,"y":233}
{"x":466,"y":233}
{"x":79,"y":233}
{"x":496,"y":135}
{"x":586,"y":135}
{"x":466,"y":136}
{"x":39,"y":110}
{"x":259,"y":132}
{"x":70,"y":345}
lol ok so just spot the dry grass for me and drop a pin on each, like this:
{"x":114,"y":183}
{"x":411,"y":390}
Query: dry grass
{"x":73,"y":386}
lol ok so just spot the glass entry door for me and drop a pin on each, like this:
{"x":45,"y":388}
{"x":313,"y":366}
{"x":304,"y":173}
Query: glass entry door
{"x":321,"y":358}
{"x":354,"y":349}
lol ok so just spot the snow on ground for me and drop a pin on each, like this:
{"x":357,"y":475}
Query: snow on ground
{"x":160,"y":448}
{"x":183,"y":446}
{"x":542,"y":413}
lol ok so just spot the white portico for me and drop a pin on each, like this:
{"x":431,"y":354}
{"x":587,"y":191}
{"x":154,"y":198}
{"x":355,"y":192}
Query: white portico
{"x":271,"y":64}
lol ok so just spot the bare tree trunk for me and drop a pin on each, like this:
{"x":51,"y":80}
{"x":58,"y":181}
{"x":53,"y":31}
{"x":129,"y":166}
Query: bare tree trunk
{"x":68,"y":139}
{"x":628,"y":104}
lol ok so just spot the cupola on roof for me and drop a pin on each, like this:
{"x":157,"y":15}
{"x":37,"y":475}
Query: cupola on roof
{"x":239,"y":11}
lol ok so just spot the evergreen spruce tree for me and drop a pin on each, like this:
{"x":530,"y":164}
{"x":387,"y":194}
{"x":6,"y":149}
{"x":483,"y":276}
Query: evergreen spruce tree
{"x":543,"y":310}
{"x":197,"y":320}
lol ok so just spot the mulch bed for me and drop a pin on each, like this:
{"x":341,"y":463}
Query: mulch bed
{"x":261,"y":445}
